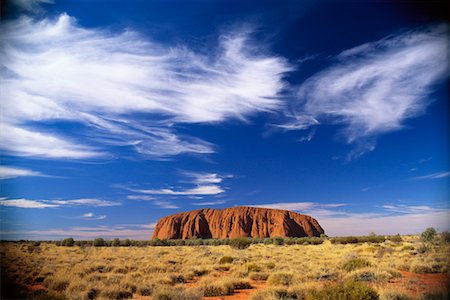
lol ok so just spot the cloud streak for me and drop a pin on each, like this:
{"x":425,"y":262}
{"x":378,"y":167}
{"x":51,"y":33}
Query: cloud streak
{"x":10,"y":172}
{"x":92,"y":216}
{"x":26,"y":203}
{"x":437,"y":175}
{"x":374,"y":88}
{"x":199,"y":190}
{"x":60,"y":71}
{"x":298,"y":206}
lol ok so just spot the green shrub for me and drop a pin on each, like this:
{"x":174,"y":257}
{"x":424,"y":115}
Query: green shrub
{"x":280,"y":279}
{"x":396,"y":238}
{"x":69,"y":242}
{"x":240,"y":243}
{"x":126,"y":243}
{"x":355,"y":263}
{"x":348,"y":291}
{"x":423,"y":249}
{"x":226,"y":260}
{"x":253,"y":268}
{"x":99,"y":242}
{"x":445,"y":237}
{"x":115,"y":242}
{"x":408,"y":248}
{"x":428,"y":235}
{"x":278,"y":241}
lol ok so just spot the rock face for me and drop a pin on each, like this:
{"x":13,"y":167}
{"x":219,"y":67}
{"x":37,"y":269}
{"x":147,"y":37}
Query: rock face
{"x":236,"y":222}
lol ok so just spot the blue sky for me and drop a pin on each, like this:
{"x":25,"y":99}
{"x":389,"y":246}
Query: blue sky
{"x":115,"y":115}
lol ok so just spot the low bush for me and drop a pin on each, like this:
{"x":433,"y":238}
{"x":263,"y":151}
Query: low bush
{"x":355,"y":263}
{"x":226,"y":260}
{"x":280,"y":279}
{"x":116,"y":293}
{"x":69,"y":242}
{"x":358,"y":239}
{"x":394,"y":295}
{"x":222,"y":287}
{"x":408,"y":248}
{"x":240,"y":243}
{"x":396,"y":238}
{"x":373,"y":275}
{"x":253,"y":268}
{"x":258,"y":276}
{"x":115,"y":242}
{"x":276,"y":293}
{"x":99,"y":242}
{"x":445,"y":237}
{"x":177,"y":278}
{"x":348,"y":291}
{"x":428,"y":235}
{"x":167,"y":293}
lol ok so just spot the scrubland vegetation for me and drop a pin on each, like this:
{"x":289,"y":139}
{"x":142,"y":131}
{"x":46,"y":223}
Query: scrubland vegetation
{"x":373,"y":267}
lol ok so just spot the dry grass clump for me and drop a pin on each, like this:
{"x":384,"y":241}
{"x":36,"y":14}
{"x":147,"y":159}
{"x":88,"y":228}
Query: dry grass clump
{"x":166,"y":293}
{"x":355,"y":263}
{"x":346,"y":291}
{"x":226,"y":260}
{"x":391,"y":294}
{"x":280,"y":279}
{"x":222,"y":287}
{"x":258,"y":276}
{"x":370,"y":274}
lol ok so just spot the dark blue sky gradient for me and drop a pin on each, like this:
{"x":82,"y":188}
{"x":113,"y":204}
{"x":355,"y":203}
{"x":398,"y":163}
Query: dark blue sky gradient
{"x":267,"y":164}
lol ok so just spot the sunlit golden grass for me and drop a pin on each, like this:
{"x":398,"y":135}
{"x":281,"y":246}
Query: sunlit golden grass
{"x":48,"y":271}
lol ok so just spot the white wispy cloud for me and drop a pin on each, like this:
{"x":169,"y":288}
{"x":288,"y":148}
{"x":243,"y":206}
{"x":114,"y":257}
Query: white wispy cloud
{"x":10,"y":172}
{"x":437,"y":175}
{"x":165,"y":204}
{"x":298,"y":206}
{"x":26,"y":203}
{"x":205,"y":178}
{"x":210,"y":203}
{"x":141,"y":197}
{"x":56,"y":70}
{"x":158,"y":202}
{"x":92,"y":216}
{"x":85,"y":201}
{"x":410,"y":209}
{"x":206,"y":184}
{"x":199,"y":190}
{"x":375,"y":87}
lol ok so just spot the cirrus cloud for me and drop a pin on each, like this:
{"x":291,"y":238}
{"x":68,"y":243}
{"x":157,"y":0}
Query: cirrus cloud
{"x":373,"y":88}
{"x":124,"y":89}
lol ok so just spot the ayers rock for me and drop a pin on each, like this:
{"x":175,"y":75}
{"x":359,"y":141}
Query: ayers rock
{"x":235,"y":222}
